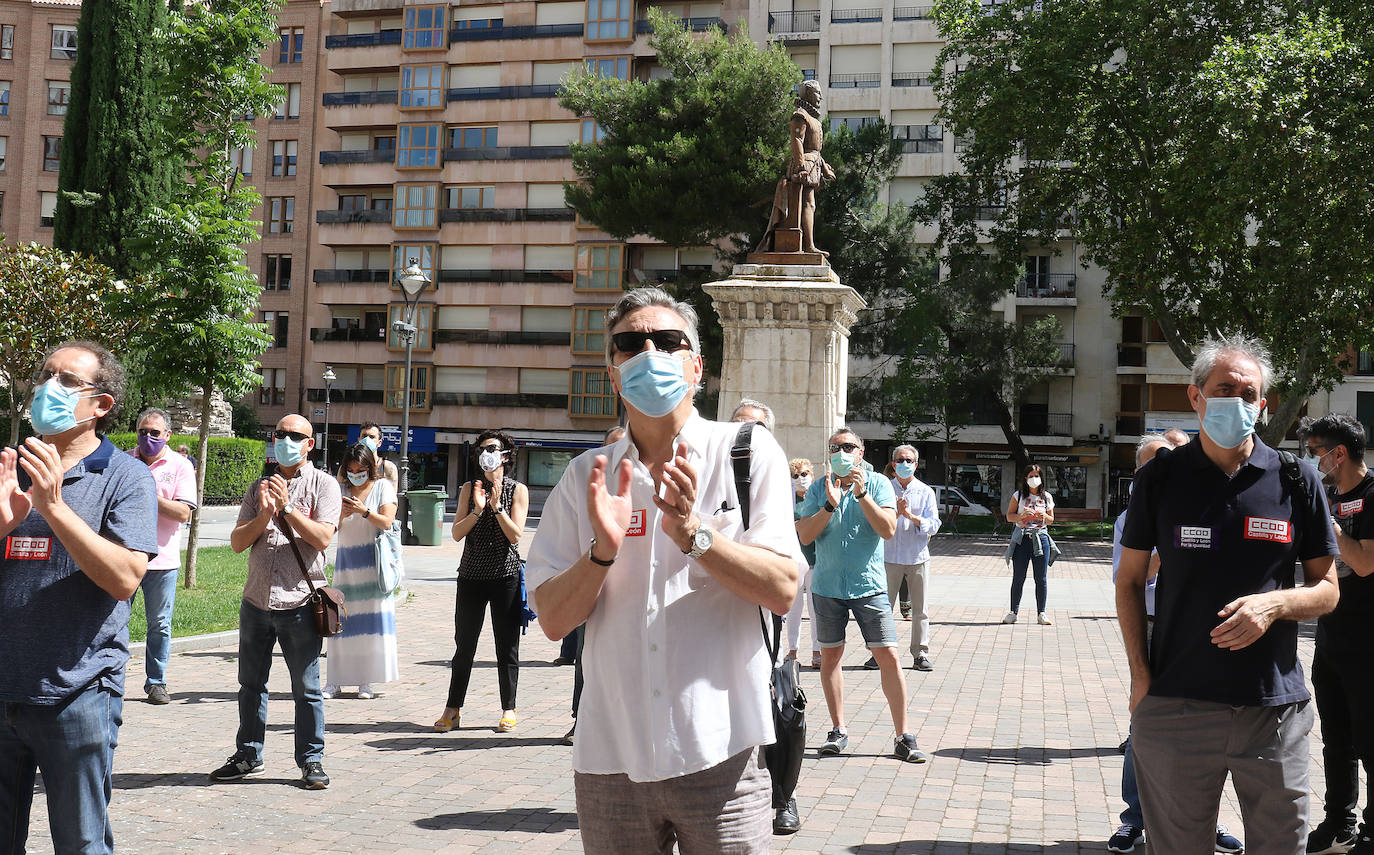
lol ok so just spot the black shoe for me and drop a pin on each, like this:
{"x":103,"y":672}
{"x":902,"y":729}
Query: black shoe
{"x":905,"y":749}
{"x":238,"y":766}
{"x":786,"y":821}
{"x":1364,"y":844}
{"x":923,"y":663}
{"x":313,"y":776}
{"x":158,"y":695}
{"x":835,"y":742}
{"x":1126,"y":839}
{"x":871,"y":664}
{"x":1331,"y":836}
{"x":564,"y":660}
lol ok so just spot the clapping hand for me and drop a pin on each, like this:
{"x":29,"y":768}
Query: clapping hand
{"x":14,"y":502}
{"x":479,"y":496}
{"x":679,"y":499}
{"x":267,"y":499}
{"x":609,"y":512}
{"x":832,"y":488}
{"x":855,"y":479}
{"x":44,"y":466}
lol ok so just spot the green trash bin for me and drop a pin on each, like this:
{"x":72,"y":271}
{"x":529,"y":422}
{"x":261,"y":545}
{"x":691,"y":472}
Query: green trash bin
{"x":427,"y":515}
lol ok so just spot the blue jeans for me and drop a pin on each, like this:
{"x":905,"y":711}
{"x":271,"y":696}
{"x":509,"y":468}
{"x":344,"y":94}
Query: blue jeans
{"x":73,"y":745}
{"x":1130,"y":790}
{"x":159,"y":589}
{"x":259,"y":631}
{"x":1025,"y":556}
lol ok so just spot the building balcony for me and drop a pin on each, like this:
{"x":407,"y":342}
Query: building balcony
{"x":857,"y":16}
{"x":1043,"y":286}
{"x":364,"y":156}
{"x":363,"y":52}
{"x":345,"y":396}
{"x":355,"y":99}
{"x":911,"y":13}
{"x":1130,"y":355}
{"x":912,"y":78}
{"x":696,"y":25}
{"x":1035,"y":422}
{"x":507,"y":152}
{"x":326,"y":275}
{"x":563,"y":277}
{"x":343,"y":217}
{"x":503,"y":93}
{"x":864,"y":80}
{"x":493,"y":399}
{"x":385,"y":37}
{"x":356,"y":334}
{"x":795,"y":27}
{"x":506,"y":215}
{"x":507,"y":337}
{"x":537,"y":31}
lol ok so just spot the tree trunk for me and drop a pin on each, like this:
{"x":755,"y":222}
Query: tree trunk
{"x":203,"y":452}
{"x":16,"y":413}
{"x":1019,"y":454}
{"x":1280,"y":420}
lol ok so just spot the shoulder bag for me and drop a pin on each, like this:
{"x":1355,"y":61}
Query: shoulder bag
{"x":328,"y":602}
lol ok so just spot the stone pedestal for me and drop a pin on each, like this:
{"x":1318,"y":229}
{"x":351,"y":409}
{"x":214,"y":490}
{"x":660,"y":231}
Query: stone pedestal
{"x":787,"y":344}
{"x":186,"y":415}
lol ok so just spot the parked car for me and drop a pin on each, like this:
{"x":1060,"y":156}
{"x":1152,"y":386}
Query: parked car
{"x":954,"y":497}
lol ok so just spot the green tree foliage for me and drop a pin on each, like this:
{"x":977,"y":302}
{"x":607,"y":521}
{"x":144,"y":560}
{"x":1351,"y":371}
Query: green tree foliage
{"x":690,"y":158}
{"x":114,"y":167}
{"x":214,"y":81}
{"x":1212,"y":158}
{"x":48,"y":296}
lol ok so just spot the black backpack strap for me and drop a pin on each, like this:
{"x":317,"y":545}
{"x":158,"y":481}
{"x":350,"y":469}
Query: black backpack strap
{"x":739,"y":461}
{"x":1290,"y":469}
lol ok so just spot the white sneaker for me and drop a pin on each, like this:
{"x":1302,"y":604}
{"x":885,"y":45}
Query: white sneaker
{"x":1044,"y":619}
{"x":365,"y":692}
{"x":329,"y":691}
{"x":1010,"y":618}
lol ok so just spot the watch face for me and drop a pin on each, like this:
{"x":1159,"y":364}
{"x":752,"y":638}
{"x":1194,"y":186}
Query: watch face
{"x":702,"y":539}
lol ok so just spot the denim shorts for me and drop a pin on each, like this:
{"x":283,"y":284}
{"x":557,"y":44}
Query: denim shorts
{"x":873,"y":615}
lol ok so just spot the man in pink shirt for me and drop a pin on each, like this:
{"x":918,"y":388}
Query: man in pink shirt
{"x":176,"y":496}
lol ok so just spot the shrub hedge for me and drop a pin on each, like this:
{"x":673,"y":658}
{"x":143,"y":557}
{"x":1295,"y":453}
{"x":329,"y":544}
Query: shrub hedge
{"x":233,"y":465}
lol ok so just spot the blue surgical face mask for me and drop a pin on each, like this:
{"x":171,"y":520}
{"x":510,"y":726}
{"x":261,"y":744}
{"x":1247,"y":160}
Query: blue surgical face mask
{"x":905,"y":469}
{"x":357,"y":479}
{"x":653,"y":382}
{"x":841,"y":462}
{"x":1229,"y":421}
{"x":371,"y":442}
{"x":53,"y":410}
{"x":289,"y":451}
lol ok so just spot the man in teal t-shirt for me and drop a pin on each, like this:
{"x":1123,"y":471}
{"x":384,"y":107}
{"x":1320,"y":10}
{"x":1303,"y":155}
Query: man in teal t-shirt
{"x":848,"y":514}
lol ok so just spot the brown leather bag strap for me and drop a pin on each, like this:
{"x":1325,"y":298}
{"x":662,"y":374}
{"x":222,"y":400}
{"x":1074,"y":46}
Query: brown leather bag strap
{"x":290,"y":535}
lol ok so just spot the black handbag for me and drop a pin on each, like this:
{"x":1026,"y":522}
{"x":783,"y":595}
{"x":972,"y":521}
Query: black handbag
{"x":784,"y":756}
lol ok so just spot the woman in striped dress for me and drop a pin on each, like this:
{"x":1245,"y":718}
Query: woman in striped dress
{"x":365,"y":653}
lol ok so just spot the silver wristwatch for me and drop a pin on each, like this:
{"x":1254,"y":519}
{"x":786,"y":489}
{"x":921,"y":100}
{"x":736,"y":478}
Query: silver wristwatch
{"x":288,"y":509}
{"x":701,"y":541}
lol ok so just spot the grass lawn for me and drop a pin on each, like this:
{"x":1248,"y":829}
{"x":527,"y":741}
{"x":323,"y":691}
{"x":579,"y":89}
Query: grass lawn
{"x":212,"y":606}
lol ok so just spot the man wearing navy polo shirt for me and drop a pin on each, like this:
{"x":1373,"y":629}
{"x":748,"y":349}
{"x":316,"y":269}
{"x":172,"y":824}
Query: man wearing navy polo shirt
{"x":78,"y":522}
{"x":1220,"y":688}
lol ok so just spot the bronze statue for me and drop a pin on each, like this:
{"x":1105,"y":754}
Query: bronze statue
{"x":792,"y":223}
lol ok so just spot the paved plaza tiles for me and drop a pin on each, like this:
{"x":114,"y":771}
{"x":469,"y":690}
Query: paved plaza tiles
{"x":1023,"y":721}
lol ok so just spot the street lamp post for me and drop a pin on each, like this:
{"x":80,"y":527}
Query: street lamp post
{"x":413,"y":282}
{"x":329,"y":378}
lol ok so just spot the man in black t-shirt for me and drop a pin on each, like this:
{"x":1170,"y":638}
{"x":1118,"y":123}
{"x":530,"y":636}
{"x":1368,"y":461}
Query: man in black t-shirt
{"x":1340,"y":667}
{"x":1221,"y":689}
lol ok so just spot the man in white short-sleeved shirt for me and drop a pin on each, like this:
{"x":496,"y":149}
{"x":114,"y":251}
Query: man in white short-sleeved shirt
{"x":643,"y":540}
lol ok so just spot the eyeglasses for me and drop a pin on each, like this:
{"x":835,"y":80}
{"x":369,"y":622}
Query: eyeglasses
{"x":490,"y":448}
{"x":904,"y":460}
{"x":846,"y":447}
{"x":66,"y":378}
{"x":668,"y":341}
{"x":149,"y":432}
{"x":296,"y":435}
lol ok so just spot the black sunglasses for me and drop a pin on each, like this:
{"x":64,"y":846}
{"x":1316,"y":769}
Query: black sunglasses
{"x":667,"y":341}
{"x":846,"y":447}
{"x":149,"y":432}
{"x":283,"y":434}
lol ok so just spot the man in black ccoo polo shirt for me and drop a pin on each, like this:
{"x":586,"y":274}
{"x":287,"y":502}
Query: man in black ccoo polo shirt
{"x":1340,"y":668}
{"x":1221,"y":689}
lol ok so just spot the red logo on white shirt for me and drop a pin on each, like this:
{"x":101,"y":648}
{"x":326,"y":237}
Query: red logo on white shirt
{"x":636,"y":528}
{"x":1261,"y":528}
{"x":1345,"y":509}
{"x":28,"y":548}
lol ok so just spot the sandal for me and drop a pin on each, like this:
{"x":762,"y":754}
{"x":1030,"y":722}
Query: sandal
{"x":448,"y":721}
{"x":507,"y":723}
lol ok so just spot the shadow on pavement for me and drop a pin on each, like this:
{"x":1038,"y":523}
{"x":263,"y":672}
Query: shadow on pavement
{"x":966,"y":623}
{"x":491,"y":663}
{"x":138,"y":781}
{"x":375,"y":727}
{"x":1025,"y":755}
{"x":539,"y":820}
{"x":1064,"y":847}
{"x":448,"y":742}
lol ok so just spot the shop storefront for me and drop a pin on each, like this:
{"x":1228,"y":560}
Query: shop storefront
{"x":987,"y":474}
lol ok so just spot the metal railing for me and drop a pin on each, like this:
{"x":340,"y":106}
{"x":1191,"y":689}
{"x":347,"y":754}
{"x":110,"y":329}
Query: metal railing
{"x":696,"y":25}
{"x":323,"y":275}
{"x":923,"y":146}
{"x":1036,"y":423}
{"x":911,"y":13}
{"x":360,"y":334}
{"x":856,"y":16}
{"x":1130,"y":355}
{"x":536,"y":31}
{"x":794,"y":22}
{"x":1046,"y":285}
{"x":385,"y":37}
{"x":346,"y":396}
{"x":505,"y":215}
{"x":344,"y":217}
{"x":513,"y":152}
{"x":520,"y":337}
{"x":494,"y":93}
{"x":865,"y":80}
{"x":913,"y":78}
{"x":472,"y":275}
{"x":385,"y":155}
{"x":495,"y":399}
{"x":355,"y":99}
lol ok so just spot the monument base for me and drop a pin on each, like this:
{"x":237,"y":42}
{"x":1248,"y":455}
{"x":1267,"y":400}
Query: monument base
{"x":788,"y":258}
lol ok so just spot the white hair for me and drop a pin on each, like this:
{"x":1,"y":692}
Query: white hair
{"x":644,"y":298}
{"x":1209,"y":353}
{"x":914,"y":453}
{"x":750,"y":403}
{"x":1146,"y":441}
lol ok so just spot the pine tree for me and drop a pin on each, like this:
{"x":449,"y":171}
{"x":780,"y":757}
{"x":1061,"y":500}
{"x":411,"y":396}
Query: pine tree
{"x":113,"y":167}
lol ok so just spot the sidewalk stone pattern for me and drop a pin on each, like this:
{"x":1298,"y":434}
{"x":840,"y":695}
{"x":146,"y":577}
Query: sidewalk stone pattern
{"x":1023,"y":721}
